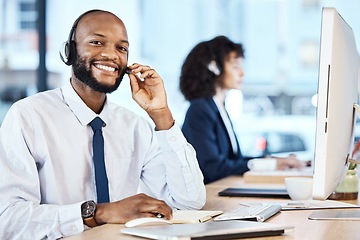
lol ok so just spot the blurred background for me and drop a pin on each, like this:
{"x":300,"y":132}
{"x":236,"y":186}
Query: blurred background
{"x":273,"y":113}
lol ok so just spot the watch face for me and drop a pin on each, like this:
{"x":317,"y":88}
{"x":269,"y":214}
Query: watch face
{"x":88,"y":209}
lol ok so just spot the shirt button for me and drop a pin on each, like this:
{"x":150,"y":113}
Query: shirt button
{"x":173,"y":139}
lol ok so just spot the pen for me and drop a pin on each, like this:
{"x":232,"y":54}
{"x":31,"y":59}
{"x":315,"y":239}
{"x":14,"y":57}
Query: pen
{"x":205,"y":219}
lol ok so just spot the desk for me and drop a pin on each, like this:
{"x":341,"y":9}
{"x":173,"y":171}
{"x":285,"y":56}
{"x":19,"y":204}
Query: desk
{"x":303,"y":228}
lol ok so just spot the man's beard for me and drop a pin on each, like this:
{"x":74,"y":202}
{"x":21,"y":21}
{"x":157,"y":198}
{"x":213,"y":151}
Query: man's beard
{"x":84,"y":74}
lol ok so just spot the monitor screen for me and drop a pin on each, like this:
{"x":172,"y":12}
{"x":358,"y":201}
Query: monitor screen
{"x":337,"y":94}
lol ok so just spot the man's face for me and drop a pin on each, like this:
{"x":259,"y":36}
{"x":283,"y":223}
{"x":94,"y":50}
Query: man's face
{"x":102,"y":51}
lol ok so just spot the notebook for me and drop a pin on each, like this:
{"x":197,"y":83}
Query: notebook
{"x":193,"y":216}
{"x":209,"y":230}
{"x":255,"y":192}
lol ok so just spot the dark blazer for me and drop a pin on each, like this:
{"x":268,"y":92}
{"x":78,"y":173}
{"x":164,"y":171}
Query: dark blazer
{"x":204,"y":128}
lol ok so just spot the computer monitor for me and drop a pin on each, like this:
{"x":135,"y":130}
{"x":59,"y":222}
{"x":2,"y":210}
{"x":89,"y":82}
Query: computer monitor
{"x":337,"y":94}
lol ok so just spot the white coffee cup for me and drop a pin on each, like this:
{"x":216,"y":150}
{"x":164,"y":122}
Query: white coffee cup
{"x":299,"y":188}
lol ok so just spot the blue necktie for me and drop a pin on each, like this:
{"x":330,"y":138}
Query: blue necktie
{"x":101,"y":180}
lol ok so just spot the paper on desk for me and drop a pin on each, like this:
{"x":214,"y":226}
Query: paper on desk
{"x":193,"y":216}
{"x":308,"y":204}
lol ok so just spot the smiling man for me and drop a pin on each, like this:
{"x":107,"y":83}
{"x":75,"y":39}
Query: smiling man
{"x":58,"y":176}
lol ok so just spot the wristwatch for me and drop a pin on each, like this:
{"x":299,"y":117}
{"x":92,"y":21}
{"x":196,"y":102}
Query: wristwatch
{"x":88,"y":209}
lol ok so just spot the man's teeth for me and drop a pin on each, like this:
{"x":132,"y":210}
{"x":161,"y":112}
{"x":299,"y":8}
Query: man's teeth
{"x":106,"y":68}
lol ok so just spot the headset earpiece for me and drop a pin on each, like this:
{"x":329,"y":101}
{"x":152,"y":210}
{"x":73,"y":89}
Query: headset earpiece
{"x":68,"y":49}
{"x":63,"y":52}
{"x":68,"y":52}
{"x":212,"y":66}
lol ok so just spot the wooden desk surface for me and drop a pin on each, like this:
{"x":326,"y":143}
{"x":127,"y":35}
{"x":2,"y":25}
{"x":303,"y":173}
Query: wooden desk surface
{"x":303,"y":227}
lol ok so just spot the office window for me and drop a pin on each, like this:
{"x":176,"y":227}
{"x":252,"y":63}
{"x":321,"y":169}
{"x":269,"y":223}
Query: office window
{"x":28,"y":15}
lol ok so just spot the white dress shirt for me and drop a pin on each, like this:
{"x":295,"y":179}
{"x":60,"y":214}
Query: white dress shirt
{"x":47,"y":170}
{"x":225,"y":117}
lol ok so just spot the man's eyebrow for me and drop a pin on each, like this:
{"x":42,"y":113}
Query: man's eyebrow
{"x":125,"y":41}
{"x":98,"y":34}
{"x":101,"y":35}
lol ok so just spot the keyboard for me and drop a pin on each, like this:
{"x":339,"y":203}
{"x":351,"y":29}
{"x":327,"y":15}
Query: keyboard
{"x":258,"y":213}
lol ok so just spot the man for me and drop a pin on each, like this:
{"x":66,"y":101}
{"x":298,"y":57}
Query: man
{"x":49,"y":182}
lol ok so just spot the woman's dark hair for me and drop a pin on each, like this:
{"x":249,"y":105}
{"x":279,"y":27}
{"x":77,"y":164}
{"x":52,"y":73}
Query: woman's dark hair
{"x":196,"y":79}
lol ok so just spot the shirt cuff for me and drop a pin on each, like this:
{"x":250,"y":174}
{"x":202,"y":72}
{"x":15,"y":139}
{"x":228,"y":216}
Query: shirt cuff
{"x":172,"y":139}
{"x":70,"y":219}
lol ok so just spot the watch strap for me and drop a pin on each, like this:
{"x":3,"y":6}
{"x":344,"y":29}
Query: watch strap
{"x":90,"y":221}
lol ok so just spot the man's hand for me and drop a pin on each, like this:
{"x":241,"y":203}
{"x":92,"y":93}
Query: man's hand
{"x":136,"y":206}
{"x":148,"y":91}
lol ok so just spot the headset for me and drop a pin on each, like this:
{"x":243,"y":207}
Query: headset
{"x":68,"y":49}
{"x":213,"y":67}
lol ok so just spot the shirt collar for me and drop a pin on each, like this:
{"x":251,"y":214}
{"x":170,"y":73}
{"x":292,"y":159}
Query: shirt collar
{"x":83,"y":113}
{"x":218,"y":103}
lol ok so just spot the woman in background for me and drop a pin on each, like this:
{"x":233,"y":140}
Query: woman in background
{"x":211,"y":69}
